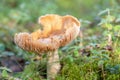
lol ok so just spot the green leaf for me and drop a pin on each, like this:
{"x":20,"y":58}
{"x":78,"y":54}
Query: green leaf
{"x":116,"y":28}
{"x":100,"y":63}
{"x":4,"y":73}
{"x":70,"y":59}
{"x":4,"y":68}
{"x":2,"y":47}
{"x":108,"y":26}
{"x":76,"y":54}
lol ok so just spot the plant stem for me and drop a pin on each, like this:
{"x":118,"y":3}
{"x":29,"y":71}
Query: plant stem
{"x":109,"y":39}
{"x":81,"y":38}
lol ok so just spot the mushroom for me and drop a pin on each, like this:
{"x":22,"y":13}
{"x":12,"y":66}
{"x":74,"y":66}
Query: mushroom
{"x":57,"y":32}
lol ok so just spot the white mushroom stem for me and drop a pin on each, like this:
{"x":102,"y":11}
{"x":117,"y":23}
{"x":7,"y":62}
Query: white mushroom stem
{"x":53,"y":65}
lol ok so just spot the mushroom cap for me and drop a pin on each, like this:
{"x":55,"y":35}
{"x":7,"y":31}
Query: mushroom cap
{"x":57,"y":32}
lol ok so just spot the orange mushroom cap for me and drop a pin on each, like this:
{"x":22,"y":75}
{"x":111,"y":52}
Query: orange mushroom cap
{"x":57,"y":31}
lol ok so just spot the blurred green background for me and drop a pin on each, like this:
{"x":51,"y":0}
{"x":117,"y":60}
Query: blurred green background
{"x":22,"y":15}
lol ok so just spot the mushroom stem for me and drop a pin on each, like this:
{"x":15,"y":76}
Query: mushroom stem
{"x":53,"y":65}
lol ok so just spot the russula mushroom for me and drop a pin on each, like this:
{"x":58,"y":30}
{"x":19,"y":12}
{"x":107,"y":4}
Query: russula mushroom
{"x":57,"y":32}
